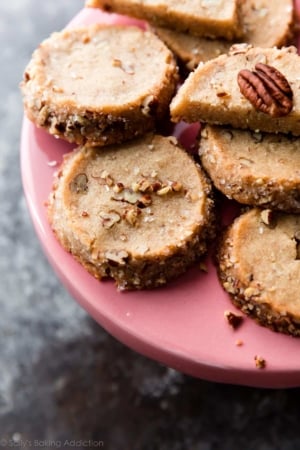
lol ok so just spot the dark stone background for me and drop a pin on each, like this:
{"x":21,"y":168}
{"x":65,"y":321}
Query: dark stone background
{"x":64,"y":379}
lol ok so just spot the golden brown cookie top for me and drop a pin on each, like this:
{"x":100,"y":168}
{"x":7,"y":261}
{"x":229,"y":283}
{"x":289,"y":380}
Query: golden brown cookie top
{"x":265,"y":23}
{"x":212,"y":93}
{"x":141,"y":212}
{"x":253,"y":168}
{"x":205,"y":18}
{"x":149,"y":191}
{"x":97,"y":68}
{"x":99,"y":84}
{"x":259,"y":156}
{"x":263,"y":259}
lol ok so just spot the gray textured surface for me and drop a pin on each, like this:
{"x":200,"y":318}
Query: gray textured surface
{"x":62,"y":378}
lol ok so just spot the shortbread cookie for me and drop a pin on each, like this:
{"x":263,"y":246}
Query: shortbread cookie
{"x":266,"y":24}
{"x":259,"y":266}
{"x":191,"y":50}
{"x":140,"y":212}
{"x":98,"y":84}
{"x":213,"y":92}
{"x":253,"y":168}
{"x":205,"y":18}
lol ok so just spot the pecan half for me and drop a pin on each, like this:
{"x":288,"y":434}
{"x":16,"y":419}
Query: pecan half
{"x":267,"y":90}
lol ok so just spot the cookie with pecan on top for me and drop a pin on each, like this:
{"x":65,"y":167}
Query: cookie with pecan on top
{"x":219,"y":92}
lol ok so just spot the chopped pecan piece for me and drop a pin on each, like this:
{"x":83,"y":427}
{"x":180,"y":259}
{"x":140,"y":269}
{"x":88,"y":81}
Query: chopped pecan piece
{"x":260,"y":362}
{"x":131,"y":215}
{"x":127,"y":195}
{"x":268,"y":218}
{"x":79,"y":184}
{"x":117,"y":257}
{"x":234,"y":320}
{"x":267,"y":90}
{"x":108,"y":219}
{"x":164,"y":190}
{"x":144,"y":201}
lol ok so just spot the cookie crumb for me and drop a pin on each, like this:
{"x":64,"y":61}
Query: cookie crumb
{"x":259,"y":362}
{"x":203,"y":267}
{"x":239,"y":343}
{"x":52,"y":163}
{"x":268,"y":218}
{"x":233,"y":319}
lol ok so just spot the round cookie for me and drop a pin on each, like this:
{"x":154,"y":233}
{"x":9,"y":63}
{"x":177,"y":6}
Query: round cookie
{"x":259,"y":266}
{"x":99,"y":84}
{"x":140,"y":212}
{"x":253,"y":168}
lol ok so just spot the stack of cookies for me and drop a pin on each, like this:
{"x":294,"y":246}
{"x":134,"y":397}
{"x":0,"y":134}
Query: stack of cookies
{"x":128,"y":203}
{"x":198,"y":31}
{"x":131,"y":204}
{"x":264,"y":24}
{"x":249,"y":101}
